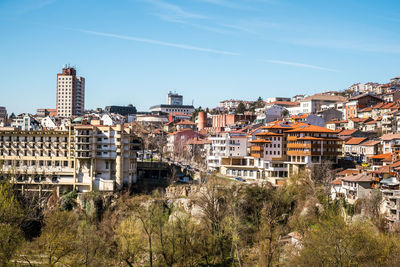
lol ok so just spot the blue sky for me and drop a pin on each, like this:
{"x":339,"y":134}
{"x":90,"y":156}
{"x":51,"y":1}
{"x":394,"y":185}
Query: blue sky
{"x":135,"y":51}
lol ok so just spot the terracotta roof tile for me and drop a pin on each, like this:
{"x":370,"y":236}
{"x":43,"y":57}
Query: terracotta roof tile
{"x":355,"y":141}
{"x":348,"y":132}
{"x":311,"y":128}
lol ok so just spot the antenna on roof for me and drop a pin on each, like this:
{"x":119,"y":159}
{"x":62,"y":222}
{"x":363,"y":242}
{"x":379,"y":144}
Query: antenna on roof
{"x":192,"y":102}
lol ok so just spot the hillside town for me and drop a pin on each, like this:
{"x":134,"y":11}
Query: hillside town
{"x":68,"y":147}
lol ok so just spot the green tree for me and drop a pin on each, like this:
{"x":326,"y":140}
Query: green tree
{"x":11,"y":216}
{"x":333,"y":242}
{"x":241,"y":108}
{"x":58,"y":239}
{"x":131,"y":241}
{"x":259,"y":103}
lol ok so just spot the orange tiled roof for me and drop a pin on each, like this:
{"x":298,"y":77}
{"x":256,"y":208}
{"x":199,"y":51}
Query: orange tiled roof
{"x":348,"y":172}
{"x":355,"y":141}
{"x":381,"y":156}
{"x":186,"y":122}
{"x":367,"y":109}
{"x":260,"y":141}
{"x":359,"y":119}
{"x":309,"y":138}
{"x":361,"y":177}
{"x":370,"y":143}
{"x":268,"y":133}
{"x":348,"y":132}
{"x":390,"y":136}
{"x":284,"y":103}
{"x":311,"y":129}
{"x":325,"y":98}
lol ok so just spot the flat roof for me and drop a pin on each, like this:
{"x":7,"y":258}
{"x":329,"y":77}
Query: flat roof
{"x":171,"y":106}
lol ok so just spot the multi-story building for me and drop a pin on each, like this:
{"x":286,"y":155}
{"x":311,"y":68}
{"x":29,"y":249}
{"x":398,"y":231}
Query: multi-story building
{"x":359,"y":102}
{"x":174,"y":105}
{"x":83,"y":158}
{"x":390,"y":142}
{"x":230,"y":104}
{"x":176,"y":142}
{"x":309,"y":144}
{"x":224,"y":120}
{"x":3,"y":116}
{"x":281,"y":149}
{"x":70,"y":93}
{"x":273,"y":99}
{"x":315,"y":102}
{"x":226,"y":144}
{"x":174,"y":99}
{"x":25,"y":122}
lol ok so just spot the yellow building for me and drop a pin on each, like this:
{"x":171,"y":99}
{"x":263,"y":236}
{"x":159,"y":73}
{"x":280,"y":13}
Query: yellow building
{"x":84,"y":158}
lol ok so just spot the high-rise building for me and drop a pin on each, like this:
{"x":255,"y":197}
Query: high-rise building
{"x":174,"y":99}
{"x":70,"y":93}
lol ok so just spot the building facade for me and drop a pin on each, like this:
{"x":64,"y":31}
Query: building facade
{"x":225,"y":144}
{"x":174,"y":99}
{"x":83,"y":158}
{"x":70,"y":93}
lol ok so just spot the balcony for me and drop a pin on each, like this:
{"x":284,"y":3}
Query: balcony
{"x":257,"y":149}
{"x":292,"y":145}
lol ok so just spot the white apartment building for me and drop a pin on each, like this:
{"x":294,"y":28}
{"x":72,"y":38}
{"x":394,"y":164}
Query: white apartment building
{"x":225,"y":144}
{"x":390,"y":142}
{"x":83,"y":158}
{"x":70,"y":93}
{"x":315,"y":102}
{"x":358,"y":87}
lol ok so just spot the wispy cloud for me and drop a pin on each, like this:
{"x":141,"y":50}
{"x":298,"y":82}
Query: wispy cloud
{"x":172,"y":12}
{"x":160,"y":43}
{"x":301,"y":65}
{"x":228,"y":4}
{"x":367,"y":46}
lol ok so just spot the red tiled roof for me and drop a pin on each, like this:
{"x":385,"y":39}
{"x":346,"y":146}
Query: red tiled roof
{"x":268,"y":133}
{"x":367,"y":109}
{"x":355,"y":141}
{"x":384,"y":169}
{"x":379,"y":105}
{"x":260,"y":141}
{"x":380,"y":156}
{"x":348,"y":132}
{"x":348,"y":172}
{"x":284,"y":103}
{"x":370,"y":143}
{"x":388,"y":105}
{"x":311,"y":128}
{"x":325,"y":98}
{"x":196,"y":141}
{"x":337,"y":182}
{"x":186,"y":122}
{"x":359,"y":119}
{"x":390,"y":136}
{"x":361,"y":177}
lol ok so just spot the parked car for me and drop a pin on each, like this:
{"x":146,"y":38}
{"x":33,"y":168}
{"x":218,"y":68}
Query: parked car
{"x":240,"y":179}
